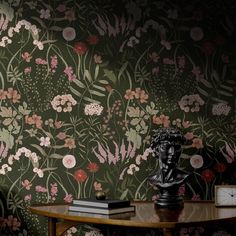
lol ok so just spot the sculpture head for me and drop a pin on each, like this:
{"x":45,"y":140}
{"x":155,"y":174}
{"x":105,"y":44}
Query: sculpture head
{"x":166,"y":145}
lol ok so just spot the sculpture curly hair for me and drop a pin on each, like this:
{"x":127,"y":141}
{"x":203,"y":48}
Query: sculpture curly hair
{"x":168,"y":134}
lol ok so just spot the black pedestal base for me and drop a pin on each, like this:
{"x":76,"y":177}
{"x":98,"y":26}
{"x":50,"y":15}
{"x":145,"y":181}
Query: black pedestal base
{"x":169,"y":202}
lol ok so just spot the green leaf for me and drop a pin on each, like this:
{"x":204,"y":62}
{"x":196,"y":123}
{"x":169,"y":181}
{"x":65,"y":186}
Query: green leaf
{"x":40,"y":149}
{"x":79,"y":83}
{"x":102,"y":81}
{"x":56,"y":156}
{"x":96,"y":93}
{"x":122,"y":69}
{"x":6,"y":137}
{"x":75,"y":92}
{"x":206,"y":83}
{"x":110,"y":75}
{"x":124,"y":194}
{"x":224,"y":93}
{"x":203,"y":92}
{"x":88,"y":75}
{"x":55,"y":28}
{"x":39,"y":21}
{"x":91,"y":100}
{"x":96,"y":72}
{"x":99,"y":87}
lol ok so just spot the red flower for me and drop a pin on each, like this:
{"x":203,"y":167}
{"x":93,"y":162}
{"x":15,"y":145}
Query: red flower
{"x":208,"y":175}
{"x":219,"y":40}
{"x":92,"y":167}
{"x":80,"y":48}
{"x":80,"y":175}
{"x":208,"y":48}
{"x":92,"y":40}
{"x":220,"y":167}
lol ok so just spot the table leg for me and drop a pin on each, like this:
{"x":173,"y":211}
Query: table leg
{"x":168,"y":232}
{"x":52,"y":226}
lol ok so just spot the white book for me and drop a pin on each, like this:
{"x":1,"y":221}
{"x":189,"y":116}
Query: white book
{"x":106,"y":211}
{"x":106,"y":203}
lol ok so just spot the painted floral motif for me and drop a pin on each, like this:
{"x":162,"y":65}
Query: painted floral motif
{"x":83,"y":86}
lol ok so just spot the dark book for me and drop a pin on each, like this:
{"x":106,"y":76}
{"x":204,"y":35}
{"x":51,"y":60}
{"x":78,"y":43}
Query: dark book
{"x":99,"y":210}
{"x":106,"y":203}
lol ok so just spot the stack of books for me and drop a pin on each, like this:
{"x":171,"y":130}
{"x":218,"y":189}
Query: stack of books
{"x":107,"y":206}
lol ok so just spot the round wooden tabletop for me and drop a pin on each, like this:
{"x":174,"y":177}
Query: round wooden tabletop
{"x":146,"y":215}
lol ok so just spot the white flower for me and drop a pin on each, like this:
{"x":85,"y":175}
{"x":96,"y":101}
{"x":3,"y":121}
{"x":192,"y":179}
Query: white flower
{"x":93,"y":233}
{"x":69,"y":161}
{"x":93,"y":109}
{"x":40,"y":173}
{"x":132,"y":168}
{"x":220,"y":109}
{"x":196,"y":33}
{"x":196,"y":161}
{"x":69,"y":33}
{"x":10,"y":159}
{"x":45,"y":14}
{"x":45,"y":141}
{"x":10,"y":32}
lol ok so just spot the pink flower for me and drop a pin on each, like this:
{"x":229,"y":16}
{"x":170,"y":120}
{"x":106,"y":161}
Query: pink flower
{"x":40,"y":61}
{"x":97,"y":59}
{"x":26,"y":56}
{"x":70,"y":15}
{"x":68,"y":70}
{"x":69,"y":161}
{"x":54,"y":189}
{"x":181,"y":190}
{"x":45,"y":141}
{"x":161,"y":120}
{"x":40,"y":189}
{"x":26,"y":184}
{"x":61,"y":136}
{"x":68,"y":198}
{"x":27,"y":70}
{"x":197,"y":143}
{"x":3,"y":94}
{"x":34,"y":120}
{"x":58,"y":124}
{"x":61,"y":7}
{"x":129,"y":94}
{"x":70,"y":143}
{"x":13,"y":223}
{"x":154,"y":56}
{"x":97,"y":186}
{"x":13,"y":95}
{"x":54,"y":62}
{"x":28,"y":197}
{"x":189,"y":136}
{"x":185,"y":124}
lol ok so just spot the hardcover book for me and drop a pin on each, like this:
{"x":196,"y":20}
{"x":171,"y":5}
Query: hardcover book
{"x":106,"y":203}
{"x":98,"y":210}
{"x":122,"y":215}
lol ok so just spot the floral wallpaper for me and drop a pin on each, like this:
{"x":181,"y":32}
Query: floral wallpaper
{"x":85,"y":83}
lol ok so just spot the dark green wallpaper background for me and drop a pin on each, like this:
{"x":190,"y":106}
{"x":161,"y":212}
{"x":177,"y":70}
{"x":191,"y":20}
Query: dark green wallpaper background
{"x":85,"y":83}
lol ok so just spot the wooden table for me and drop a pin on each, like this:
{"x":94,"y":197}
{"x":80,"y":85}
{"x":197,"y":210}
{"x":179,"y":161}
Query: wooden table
{"x":146,"y":216}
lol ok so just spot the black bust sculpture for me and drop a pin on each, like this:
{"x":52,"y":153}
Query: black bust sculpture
{"x":166,"y":146}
